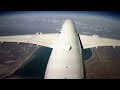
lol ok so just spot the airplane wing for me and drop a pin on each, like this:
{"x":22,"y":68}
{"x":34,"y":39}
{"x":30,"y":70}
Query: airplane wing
{"x":46,"y":40}
{"x":95,"y":41}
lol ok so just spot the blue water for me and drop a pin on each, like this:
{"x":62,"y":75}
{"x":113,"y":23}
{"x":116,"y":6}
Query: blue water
{"x":86,"y":54}
{"x":35,"y":69}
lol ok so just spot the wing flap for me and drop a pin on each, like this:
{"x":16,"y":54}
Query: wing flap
{"x":95,"y":41}
{"x":46,"y":40}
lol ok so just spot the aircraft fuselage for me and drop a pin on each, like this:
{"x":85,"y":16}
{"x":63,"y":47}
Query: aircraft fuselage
{"x":66,"y":61}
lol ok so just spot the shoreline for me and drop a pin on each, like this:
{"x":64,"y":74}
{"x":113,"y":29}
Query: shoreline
{"x":23,"y":62}
{"x":91,"y":56}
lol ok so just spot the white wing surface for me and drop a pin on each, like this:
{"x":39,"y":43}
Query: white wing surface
{"x":46,"y":40}
{"x":96,"y":41}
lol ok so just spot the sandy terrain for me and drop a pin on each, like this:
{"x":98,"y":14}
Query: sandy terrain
{"x":104,"y":63}
{"x":12,"y":56}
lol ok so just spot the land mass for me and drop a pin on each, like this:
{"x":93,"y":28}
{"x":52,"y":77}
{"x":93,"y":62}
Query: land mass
{"x":13,"y":56}
{"x":104,"y":63}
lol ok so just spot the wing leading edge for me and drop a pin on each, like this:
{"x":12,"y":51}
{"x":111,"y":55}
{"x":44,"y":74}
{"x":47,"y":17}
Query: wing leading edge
{"x":96,"y":41}
{"x":46,"y":40}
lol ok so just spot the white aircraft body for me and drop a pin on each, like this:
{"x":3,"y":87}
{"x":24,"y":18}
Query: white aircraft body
{"x":65,"y":61}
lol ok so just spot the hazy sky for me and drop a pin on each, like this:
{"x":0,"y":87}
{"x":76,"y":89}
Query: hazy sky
{"x":104,"y":23}
{"x":115,"y":14}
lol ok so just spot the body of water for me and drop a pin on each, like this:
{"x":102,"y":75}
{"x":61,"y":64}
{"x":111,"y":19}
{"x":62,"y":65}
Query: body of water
{"x":35,"y":68}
